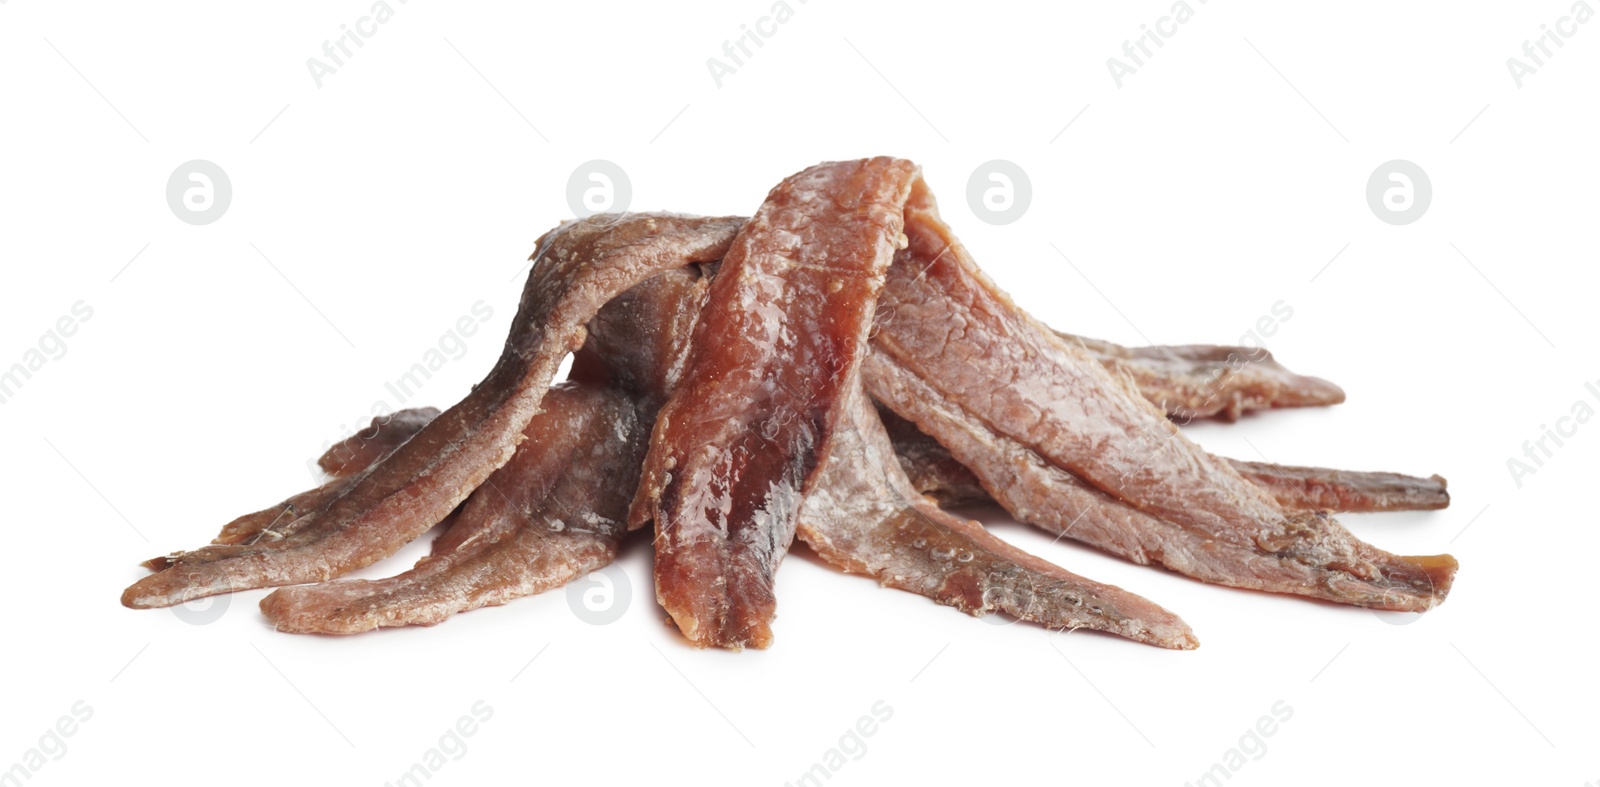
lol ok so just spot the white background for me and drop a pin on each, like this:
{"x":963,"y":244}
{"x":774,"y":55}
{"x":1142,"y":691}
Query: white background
{"x":1219,"y":179}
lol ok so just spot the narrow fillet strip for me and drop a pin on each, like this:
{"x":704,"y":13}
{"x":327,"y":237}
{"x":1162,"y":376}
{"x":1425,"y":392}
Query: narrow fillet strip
{"x":935,"y":472}
{"x":369,"y":446}
{"x":782,"y":333}
{"x":973,"y":353}
{"x":577,"y":268}
{"x":1204,"y":381}
{"x":1356,"y":491}
{"x":553,"y":513}
{"x":341,"y":462}
{"x":861,"y":513}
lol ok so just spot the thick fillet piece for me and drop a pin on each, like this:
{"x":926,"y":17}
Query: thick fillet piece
{"x":577,"y":268}
{"x":977,"y":355}
{"x":864,"y":517}
{"x":1203,"y":380}
{"x":935,"y":472}
{"x":553,"y":513}
{"x":782,"y":333}
{"x":861,"y":513}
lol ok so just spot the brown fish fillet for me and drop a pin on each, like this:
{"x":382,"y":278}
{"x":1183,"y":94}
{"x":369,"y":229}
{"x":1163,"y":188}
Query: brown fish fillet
{"x":273,"y":523}
{"x":1308,"y":554}
{"x":553,"y":513}
{"x":766,"y":406}
{"x":344,"y":460}
{"x":369,"y":446}
{"x":640,"y":341}
{"x":935,"y":472}
{"x":529,"y":528}
{"x":1203,"y":380}
{"x":578,"y":267}
{"x":864,"y":517}
{"x":861,"y":513}
{"x":783,"y":331}
{"x":983,"y":361}
{"x":1355,"y":491}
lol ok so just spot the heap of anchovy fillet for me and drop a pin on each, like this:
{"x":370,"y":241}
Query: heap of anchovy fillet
{"x":830,"y":368}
